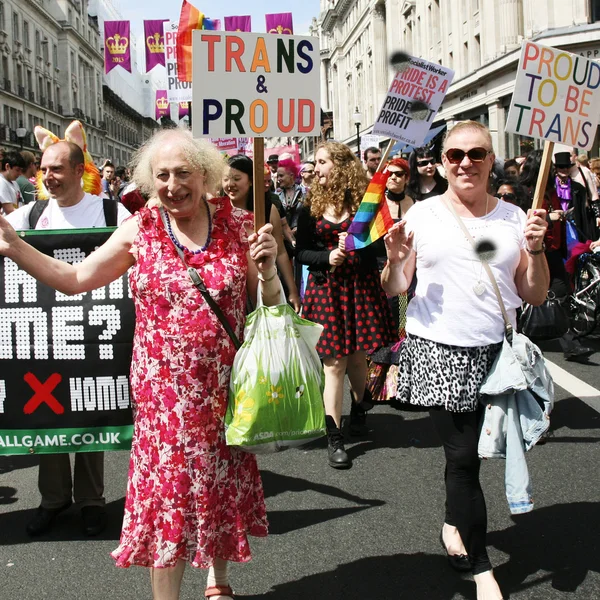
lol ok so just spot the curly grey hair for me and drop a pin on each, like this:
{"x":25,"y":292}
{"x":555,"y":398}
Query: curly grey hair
{"x":200,"y":153}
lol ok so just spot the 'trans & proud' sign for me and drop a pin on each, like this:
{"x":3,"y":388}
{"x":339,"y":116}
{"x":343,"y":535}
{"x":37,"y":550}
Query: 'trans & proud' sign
{"x":556,"y":97}
{"x":249,"y":84}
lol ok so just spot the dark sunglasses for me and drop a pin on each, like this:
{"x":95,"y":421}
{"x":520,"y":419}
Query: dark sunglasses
{"x":476,"y":155}
{"x":508,"y":197}
{"x":423,"y":162}
{"x":397,"y":174}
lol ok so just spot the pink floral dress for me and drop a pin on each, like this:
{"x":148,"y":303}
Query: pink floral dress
{"x":189,"y":495}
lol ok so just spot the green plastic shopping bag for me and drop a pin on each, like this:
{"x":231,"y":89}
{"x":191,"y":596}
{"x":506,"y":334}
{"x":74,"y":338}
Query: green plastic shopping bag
{"x":276,"y":387}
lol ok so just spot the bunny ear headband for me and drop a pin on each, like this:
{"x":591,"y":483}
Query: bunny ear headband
{"x":90,"y":181}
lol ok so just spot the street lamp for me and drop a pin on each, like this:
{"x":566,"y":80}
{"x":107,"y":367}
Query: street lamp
{"x":21,"y":133}
{"x":357,"y":119}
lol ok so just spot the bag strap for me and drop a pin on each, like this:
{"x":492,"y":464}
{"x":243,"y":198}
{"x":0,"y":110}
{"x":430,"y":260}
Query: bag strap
{"x":508,"y":328}
{"x":199,"y":284}
{"x":111,"y":211}
{"x":36,"y":212}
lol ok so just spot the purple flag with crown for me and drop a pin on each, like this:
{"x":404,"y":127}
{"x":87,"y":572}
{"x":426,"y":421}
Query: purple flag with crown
{"x":240,"y":23}
{"x":154,"y":43}
{"x":117,"y":52}
{"x":184,"y":110}
{"x":280,"y":23}
{"x":161,"y":105}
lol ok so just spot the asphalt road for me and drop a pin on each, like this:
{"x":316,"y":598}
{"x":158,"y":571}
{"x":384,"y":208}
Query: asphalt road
{"x":367,"y":533}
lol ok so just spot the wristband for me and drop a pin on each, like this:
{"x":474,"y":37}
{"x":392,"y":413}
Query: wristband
{"x":269,"y":278}
{"x":536,"y":252}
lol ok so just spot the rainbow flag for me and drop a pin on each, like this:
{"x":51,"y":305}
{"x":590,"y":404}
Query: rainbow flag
{"x":189,"y":19}
{"x":372,"y":219}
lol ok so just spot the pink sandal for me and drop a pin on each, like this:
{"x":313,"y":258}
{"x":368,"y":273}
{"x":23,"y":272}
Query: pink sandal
{"x":219,"y":590}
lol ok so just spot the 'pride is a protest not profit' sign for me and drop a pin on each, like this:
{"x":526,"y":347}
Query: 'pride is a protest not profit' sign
{"x":556,"y":97}
{"x":254,"y":85}
{"x":418,"y":80}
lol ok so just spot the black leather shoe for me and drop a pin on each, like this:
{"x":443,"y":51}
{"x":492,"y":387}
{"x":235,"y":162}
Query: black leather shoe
{"x":94,"y":520}
{"x":44,"y":518}
{"x":336,"y":453}
{"x":459,"y":562}
{"x":579,"y":354}
{"x":358,"y":420}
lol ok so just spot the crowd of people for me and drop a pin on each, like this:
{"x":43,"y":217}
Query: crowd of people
{"x":190,"y":497}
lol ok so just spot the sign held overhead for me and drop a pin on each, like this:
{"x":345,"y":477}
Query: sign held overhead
{"x":249,"y":84}
{"x":556,"y":97}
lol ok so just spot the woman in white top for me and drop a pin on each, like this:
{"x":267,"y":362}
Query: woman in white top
{"x":454,"y":323}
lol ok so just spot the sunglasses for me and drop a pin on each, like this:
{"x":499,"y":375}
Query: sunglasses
{"x":307,"y":171}
{"x":423,"y":162}
{"x":508,"y":197}
{"x":476,"y":155}
{"x":397,"y":174}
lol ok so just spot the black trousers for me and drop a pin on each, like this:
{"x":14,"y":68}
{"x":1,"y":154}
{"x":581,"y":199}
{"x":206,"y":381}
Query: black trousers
{"x":465,"y":504}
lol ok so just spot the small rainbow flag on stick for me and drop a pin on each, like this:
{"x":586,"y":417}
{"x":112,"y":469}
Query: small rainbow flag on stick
{"x":372,"y":219}
{"x":189,"y":19}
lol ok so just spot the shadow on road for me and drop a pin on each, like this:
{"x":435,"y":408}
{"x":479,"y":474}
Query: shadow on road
{"x":19,"y":461}
{"x":574,"y":414}
{"x":402,"y":576}
{"x":561,"y":539}
{"x":67,"y":526}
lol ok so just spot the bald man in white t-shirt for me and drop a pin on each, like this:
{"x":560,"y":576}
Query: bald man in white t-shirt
{"x":69,"y":207}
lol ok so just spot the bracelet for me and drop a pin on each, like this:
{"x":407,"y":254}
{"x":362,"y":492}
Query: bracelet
{"x":268,"y":279}
{"x":536,"y":252}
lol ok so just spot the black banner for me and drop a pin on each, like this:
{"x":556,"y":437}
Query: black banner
{"x":64,"y":360}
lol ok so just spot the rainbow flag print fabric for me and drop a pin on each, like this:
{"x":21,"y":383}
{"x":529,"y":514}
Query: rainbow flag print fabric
{"x":372,"y":219}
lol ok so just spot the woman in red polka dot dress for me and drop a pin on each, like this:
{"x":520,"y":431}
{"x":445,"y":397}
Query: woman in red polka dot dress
{"x":348,"y":300}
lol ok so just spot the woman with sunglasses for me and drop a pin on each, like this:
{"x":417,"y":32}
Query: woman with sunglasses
{"x":511,"y":191}
{"x":425,"y":180}
{"x":454,"y":323}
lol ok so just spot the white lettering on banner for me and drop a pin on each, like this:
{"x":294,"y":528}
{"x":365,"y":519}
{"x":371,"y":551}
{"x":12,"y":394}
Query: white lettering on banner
{"x":71,"y":256}
{"x":99,"y":393}
{"x":109,"y":313}
{"x":63,"y":333}
{"x":115,"y":291}
{"x":23,"y":319}
{"x":14,"y":278}
{"x":58,"y":440}
{"x":2,"y":395}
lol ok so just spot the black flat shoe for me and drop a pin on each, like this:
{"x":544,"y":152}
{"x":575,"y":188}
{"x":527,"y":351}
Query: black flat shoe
{"x":94,"y":520}
{"x":44,"y":519}
{"x":459,"y":562}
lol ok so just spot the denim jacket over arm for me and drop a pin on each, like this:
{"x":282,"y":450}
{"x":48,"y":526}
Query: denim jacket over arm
{"x":518,"y":394}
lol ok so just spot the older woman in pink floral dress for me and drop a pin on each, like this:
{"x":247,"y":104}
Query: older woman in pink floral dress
{"x":190,"y":497}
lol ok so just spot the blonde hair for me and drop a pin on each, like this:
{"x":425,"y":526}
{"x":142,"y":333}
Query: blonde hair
{"x":201,"y":155}
{"x":346,"y":183}
{"x":468,"y":126}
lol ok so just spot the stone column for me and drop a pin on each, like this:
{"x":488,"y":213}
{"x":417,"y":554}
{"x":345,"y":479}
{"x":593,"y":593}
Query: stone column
{"x":324,"y":85}
{"x":511,"y":22}
{"x":496,"y":127}
{"x":380,"y":56}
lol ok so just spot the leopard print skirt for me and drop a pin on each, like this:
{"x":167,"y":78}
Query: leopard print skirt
{"x":437,"y":375}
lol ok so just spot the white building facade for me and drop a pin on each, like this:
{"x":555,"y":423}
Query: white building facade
{"x":479,"y":39}
{"x":52,"y":72}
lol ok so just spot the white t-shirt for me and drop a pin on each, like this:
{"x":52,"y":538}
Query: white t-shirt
{"x":8,"y":192}
{"x":446,"y":308}
{"x":87,"y":213}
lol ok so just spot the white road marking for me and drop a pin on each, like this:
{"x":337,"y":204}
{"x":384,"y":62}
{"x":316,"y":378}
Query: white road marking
{"x":576,"y":387}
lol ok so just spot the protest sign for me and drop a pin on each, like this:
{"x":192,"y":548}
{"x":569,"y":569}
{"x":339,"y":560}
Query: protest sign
{"x":556,"y":97}
{"x":369,"y":141}
{"x":250,"y":84}
{"x":64,"y":360}
{"x":177,"y":91}
{"x":418,"y":80}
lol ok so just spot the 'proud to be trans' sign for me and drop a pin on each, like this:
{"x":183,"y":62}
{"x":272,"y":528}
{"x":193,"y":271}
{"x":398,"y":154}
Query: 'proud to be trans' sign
{"x":556,"y":97}
{"x":254,"y":85}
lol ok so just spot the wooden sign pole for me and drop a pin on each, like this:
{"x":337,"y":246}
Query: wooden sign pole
{"x":385,"y":156}
{"x":259,"y":182}
{"x":540,"y":186}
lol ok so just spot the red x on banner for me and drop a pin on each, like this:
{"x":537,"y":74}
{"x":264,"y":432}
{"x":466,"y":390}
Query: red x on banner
{"x":43,"y":393}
